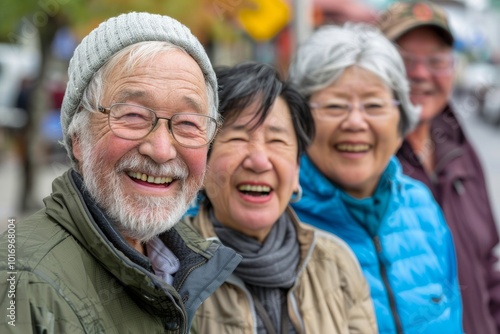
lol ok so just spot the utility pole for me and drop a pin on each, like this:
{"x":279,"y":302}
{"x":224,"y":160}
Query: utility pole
{"x":302,"y":20}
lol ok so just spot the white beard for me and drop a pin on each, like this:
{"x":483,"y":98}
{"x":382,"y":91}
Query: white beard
{"x":139,"y":217}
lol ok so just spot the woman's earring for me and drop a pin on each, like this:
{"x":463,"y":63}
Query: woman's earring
{"x":297,"y":195}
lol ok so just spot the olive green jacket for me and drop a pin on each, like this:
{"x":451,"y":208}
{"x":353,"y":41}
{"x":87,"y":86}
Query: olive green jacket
{"x":330,"y":295}
{"x":67,"y":277}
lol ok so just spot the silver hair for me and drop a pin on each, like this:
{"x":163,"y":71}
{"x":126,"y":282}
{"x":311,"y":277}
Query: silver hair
{"x":133,"y":56}
{"x":324,"y":56}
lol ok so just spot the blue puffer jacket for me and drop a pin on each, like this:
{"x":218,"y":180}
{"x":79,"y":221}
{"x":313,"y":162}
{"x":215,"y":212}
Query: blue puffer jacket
{"x":409,"y":262}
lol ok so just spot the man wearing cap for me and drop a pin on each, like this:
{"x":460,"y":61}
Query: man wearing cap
{"x":106,"y":254}
{"x":439,"y":154}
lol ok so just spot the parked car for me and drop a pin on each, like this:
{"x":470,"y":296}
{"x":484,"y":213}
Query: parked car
{"x":480,"y":84}
{"x":491,"y":106}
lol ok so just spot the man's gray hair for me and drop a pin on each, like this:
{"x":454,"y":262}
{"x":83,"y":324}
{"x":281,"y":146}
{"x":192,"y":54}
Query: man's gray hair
{"x":324,"y":56}
{"x":116,"y":34}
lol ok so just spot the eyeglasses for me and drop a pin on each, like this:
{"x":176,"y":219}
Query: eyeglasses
{"x":134,"y":122}
{"x":439,"y":63}
{"x":340,"y":109}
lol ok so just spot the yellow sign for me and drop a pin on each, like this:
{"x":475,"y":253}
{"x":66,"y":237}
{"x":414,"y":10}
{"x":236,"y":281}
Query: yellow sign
{"x":263,"y":19}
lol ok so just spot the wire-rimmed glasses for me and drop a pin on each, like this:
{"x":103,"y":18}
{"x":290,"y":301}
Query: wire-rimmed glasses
{"x":340,"y":109}
{"x":133,"y":122}
{"x":441,"y":63}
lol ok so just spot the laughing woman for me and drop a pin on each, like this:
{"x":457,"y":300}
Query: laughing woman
{"x":353,"y":187}
{"x":291,"y":280}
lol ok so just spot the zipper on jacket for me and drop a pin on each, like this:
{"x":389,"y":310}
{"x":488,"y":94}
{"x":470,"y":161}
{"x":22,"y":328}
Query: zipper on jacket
{"x":390,"y":293}
{"x":459,"y":187}
{"x":184,"y":278}
{"x":184,"y":298}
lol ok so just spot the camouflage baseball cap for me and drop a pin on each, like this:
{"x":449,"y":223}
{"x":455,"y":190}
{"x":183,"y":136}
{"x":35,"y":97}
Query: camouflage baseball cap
{"x":402,"y":17}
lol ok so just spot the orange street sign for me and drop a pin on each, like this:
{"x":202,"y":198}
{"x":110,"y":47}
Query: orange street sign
{"x":263,"y":19}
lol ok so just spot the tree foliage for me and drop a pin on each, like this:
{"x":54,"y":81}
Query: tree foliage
{"x":19,"y":18}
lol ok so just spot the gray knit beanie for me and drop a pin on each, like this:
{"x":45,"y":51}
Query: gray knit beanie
{"x":116,"y":34}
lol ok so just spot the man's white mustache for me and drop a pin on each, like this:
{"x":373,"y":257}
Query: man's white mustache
{"x":421,"y":86}
{"x":176,"y":169}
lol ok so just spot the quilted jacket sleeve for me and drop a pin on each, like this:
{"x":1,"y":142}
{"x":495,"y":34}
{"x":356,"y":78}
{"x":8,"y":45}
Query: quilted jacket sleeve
{"x":360,"y":313}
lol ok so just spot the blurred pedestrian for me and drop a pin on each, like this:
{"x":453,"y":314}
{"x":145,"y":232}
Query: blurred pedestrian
{"x":22,"y":147}
{"x":106,"y":255}
{"x":439,"y":154}
{"x":291,"y":279}
{"x":51,"y":131}
{"x":353,"y":186}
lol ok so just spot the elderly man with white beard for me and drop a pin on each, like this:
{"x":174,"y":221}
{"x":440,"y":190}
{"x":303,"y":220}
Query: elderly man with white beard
{"x":106,"y":254}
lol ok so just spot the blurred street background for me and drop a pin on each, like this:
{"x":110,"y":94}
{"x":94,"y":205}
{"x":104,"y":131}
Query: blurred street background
{"x":37,"y":39}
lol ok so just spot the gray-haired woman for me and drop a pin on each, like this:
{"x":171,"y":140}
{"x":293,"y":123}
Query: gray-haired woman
{"x":355,"y":82}
{"x":291,"y":279}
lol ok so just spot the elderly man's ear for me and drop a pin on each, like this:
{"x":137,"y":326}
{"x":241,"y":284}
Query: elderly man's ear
{"x":77,"y":150}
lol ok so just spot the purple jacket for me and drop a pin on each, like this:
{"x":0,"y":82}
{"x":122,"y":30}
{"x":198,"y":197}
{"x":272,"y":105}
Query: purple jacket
{"x":458,"y":185}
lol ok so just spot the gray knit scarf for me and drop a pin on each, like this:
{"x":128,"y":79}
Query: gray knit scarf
{"x":268,"y":269}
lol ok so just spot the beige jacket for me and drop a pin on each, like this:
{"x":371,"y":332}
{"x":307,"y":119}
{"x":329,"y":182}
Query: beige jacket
{"x":329,"y":296}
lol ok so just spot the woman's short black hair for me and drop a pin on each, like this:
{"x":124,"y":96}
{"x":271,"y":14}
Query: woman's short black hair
{"x":243,"y":84}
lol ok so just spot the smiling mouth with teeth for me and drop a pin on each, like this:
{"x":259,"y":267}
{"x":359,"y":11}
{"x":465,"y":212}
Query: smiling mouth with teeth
{"x":252,"y":190}
{"x":353,"y":147}
{"x":149,"y":178}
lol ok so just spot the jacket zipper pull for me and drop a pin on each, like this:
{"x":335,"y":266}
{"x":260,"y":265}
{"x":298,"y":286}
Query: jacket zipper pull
{"x":378,"y":245}
{"x":459,"y":187}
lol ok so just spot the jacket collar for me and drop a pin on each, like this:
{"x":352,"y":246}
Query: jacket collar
{"x":105,"y":225}
{"x":450,"y":142}
{"x":446,"y":126}
{"x":316,"y":182}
